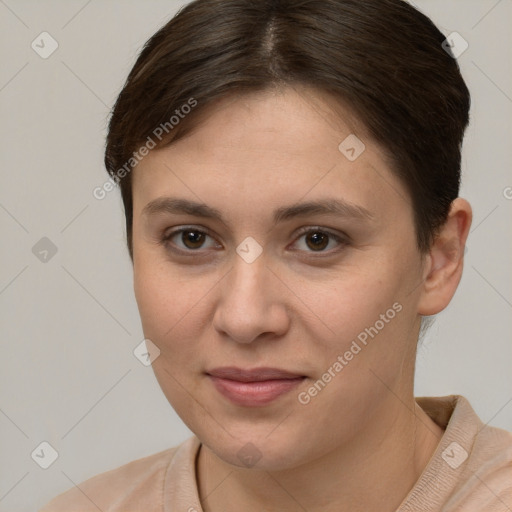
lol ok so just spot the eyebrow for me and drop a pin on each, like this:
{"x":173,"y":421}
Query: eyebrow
{"x":326,"y":206}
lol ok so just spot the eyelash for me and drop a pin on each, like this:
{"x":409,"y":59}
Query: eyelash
{"x":343,"y":241}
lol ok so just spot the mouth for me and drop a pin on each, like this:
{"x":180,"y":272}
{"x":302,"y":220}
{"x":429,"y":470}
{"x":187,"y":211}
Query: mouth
{"x":253,"y":387}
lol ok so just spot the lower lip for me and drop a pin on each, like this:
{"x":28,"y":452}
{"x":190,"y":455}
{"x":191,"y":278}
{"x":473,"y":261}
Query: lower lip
{"x":254,"y":394}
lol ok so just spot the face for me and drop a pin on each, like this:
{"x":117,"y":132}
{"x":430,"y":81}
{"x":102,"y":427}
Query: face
{"x":234,"y":267}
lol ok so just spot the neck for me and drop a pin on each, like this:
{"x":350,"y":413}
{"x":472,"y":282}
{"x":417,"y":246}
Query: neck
{"x":374,"y":471}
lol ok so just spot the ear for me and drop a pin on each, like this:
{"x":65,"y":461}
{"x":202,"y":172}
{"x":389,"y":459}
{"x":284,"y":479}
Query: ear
{"x":444,"y":262}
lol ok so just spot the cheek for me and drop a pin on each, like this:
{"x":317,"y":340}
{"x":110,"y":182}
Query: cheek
{"x":164,"y":301}
{"x":354,"y":299}
{"x":170,"y":310}
{"x":370,"y":316}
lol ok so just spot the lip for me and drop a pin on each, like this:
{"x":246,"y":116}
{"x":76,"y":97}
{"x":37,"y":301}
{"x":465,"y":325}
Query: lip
{"x":253,"y":387}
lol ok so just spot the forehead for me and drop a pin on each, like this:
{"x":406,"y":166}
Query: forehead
{"x":271,"y":147}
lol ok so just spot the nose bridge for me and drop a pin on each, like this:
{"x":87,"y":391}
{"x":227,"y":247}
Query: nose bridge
{"x":246,"y":279}
{"x":247,"y":307}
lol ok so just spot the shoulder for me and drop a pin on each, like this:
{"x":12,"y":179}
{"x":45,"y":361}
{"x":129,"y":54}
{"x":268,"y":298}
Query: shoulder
{"x":485,"y":457}
{"x":139,"y":483}
{"x":487,"y":481}
{"x":471,"y":469}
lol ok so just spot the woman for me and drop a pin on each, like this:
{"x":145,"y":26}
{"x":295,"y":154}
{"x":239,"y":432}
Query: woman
{"x":290,"y":174}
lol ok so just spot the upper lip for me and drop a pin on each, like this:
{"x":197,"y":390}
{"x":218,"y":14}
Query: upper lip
{"x":251,"y":375}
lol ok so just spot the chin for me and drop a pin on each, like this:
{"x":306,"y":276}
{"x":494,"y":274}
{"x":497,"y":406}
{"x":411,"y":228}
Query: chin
{"x":250,"y":451}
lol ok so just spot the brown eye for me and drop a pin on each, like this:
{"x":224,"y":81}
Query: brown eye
{"x":317,"y":240}
{"x":192,"y":239}
{"x":188,"y":240}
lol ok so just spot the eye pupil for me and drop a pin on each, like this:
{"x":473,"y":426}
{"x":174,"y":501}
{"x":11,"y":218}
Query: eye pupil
{"x":320,"y":240}
{"x":195,"y":237}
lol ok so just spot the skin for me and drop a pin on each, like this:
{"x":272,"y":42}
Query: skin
{"x":296,"y":307}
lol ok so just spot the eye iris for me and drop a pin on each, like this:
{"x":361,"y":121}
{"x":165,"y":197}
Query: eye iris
{"x":194,"y":237}
{"x":320,"y":240}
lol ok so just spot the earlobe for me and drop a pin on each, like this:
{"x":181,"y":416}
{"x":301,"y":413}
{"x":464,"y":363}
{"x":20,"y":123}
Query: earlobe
{"x":445,"y":260}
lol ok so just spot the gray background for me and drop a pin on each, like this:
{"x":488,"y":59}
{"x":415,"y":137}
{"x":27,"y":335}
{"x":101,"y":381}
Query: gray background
{"x":69,"y":325}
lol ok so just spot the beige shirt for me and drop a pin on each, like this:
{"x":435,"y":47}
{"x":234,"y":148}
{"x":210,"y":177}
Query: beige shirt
{"x":470,"y":471}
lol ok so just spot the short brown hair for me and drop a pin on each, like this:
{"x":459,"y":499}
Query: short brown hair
{"x":382,"y":57}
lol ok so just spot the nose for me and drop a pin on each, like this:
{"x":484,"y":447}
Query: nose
{"x":251,"y":303}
